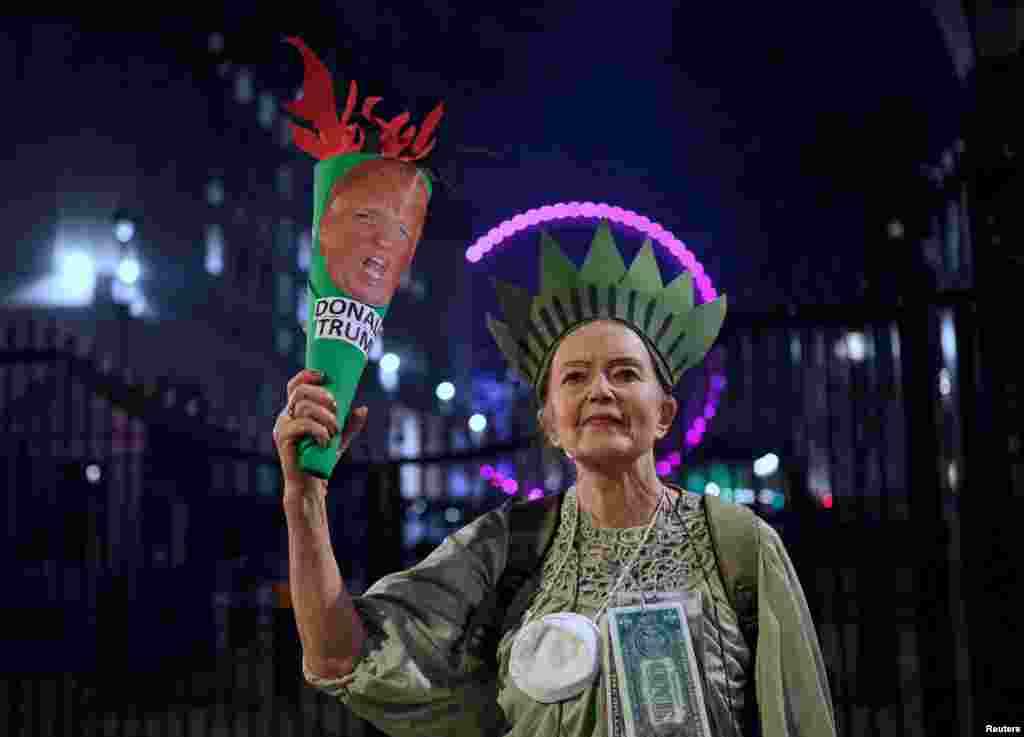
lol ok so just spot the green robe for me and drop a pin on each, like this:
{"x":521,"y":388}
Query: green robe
{"x":420,"y":674}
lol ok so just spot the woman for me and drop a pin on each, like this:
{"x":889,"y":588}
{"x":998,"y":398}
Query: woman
{"x":603,"y":348}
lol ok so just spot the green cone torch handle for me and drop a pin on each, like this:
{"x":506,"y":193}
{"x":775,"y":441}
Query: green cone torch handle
{"x":339,"y":333}
{"x":368,"y":214}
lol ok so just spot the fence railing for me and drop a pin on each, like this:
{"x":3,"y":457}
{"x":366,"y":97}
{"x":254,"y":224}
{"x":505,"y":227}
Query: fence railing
{"x":146,"y":532}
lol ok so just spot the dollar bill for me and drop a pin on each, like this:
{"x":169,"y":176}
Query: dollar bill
{"x":653,"y":684}
{"x":690,"y":599}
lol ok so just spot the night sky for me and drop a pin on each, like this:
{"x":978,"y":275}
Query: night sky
{"x":756,"y":134}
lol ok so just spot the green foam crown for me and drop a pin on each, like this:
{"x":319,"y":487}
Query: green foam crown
{"x":679,"y":333}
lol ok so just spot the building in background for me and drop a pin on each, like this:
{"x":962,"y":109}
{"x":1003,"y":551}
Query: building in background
{"x":174,"y":242}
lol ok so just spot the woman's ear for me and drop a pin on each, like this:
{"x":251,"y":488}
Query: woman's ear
{"x":669,"y":408}
{"x":542,"y":421}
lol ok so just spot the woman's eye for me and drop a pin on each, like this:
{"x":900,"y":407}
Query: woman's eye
{"x":629,"y":374}
{"x":363,"y":216}
{"x":570,"y":377}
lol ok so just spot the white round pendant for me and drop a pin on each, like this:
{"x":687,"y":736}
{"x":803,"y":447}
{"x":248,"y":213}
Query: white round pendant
{"x":555,"y":657}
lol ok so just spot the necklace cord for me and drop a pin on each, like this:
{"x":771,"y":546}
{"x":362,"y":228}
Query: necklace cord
{"x":565,"y":559}
{"x":636,"y":557}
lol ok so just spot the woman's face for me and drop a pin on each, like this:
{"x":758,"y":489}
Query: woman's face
{"x":604,"y":404}
{"x":370,"y":229}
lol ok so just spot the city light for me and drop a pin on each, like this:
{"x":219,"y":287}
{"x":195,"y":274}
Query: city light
{"x":948,"y":339}
{"x":389,"y":362}
{"x":128,"y":270}
{"x":477,"y":423}
{"x":945,"y":382}
{"x":712,"y":489}
{"x":744,"y":496}
{"x":535,"y":494}
{"x":77,"y":271}
{"x":124,"y":230}
{"x":766,"y":465}
{"x":376,"y":347}
{"x":138,"y":307}
{"x":445,"y":391}
{"x":93,"y":474}
{"x":388,"y":379}
{"x":856,"y":346}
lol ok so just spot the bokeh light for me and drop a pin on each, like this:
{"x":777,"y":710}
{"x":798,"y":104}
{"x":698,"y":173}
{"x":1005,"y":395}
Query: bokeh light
{"x":478,"y":423}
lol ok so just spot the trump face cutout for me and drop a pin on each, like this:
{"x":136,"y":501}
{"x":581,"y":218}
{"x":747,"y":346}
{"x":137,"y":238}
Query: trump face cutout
{"x":371,"y":227}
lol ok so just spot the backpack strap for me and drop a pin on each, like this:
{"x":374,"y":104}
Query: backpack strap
{"x":734,"y":539}
{"x":532,"y":526}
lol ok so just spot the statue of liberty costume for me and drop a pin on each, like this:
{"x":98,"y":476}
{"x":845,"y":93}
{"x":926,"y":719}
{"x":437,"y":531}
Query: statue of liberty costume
{"x":440,"y":655}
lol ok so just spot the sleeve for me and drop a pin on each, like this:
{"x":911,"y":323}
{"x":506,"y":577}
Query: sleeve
{"x":792,"y":685}
{"x":412,"y":676}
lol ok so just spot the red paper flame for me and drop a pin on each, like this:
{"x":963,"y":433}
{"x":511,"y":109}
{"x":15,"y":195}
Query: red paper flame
{"x":336,"y":136}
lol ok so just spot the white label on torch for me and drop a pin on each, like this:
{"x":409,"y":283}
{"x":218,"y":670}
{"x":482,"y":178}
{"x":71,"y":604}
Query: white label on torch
{"x":343,"y":318}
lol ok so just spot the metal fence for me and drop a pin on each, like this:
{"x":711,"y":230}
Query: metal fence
{"x":863,"y":407}
{"x":144,"y":536}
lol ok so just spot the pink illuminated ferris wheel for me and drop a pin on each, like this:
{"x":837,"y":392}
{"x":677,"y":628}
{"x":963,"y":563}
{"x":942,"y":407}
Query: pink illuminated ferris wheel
{"x":575,"y":211}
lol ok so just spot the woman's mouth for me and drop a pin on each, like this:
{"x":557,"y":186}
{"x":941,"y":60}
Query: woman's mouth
{"x":602,"y":422}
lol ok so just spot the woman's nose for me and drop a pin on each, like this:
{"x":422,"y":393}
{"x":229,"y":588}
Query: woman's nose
{"x":600,"y":387}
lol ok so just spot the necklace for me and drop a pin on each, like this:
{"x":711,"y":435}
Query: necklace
{"x":559,"y":655}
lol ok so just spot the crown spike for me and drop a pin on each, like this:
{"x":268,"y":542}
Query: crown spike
{"x":644,"y":274}
{"x":517,"y":358}
{"x":515,"y":303}
{"x":679,"y":292}
{"x":604,"y":263}
{"x":557,"y":272}
{"x":703,"y":326}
